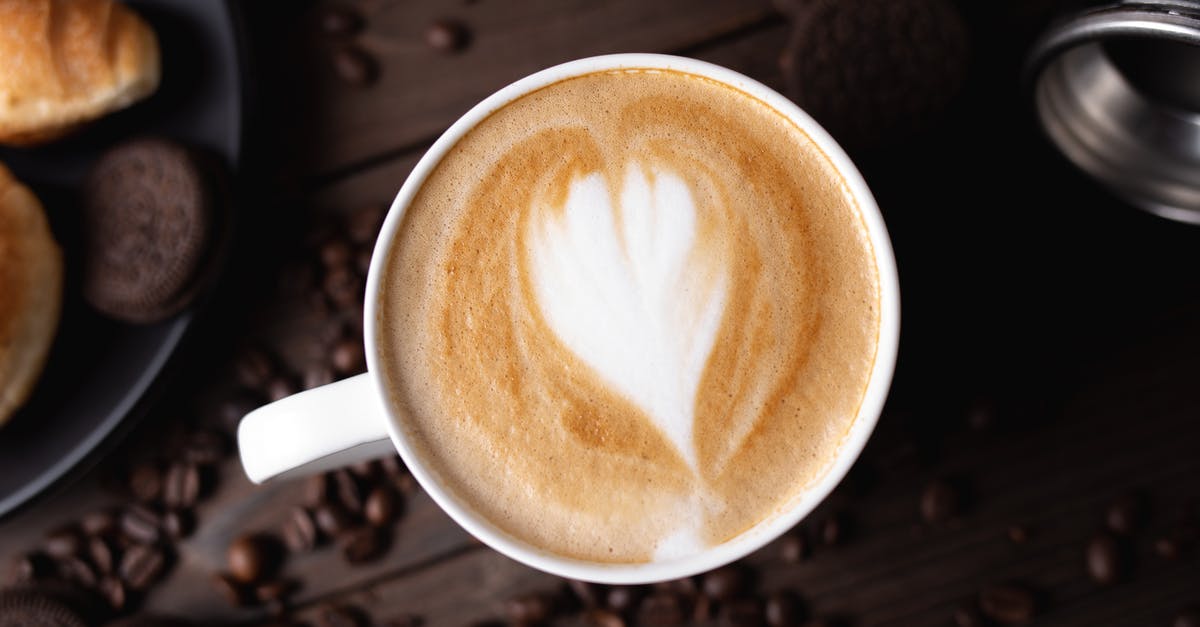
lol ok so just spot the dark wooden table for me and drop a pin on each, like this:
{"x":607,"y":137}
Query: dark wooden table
{"x":1077,"y":317}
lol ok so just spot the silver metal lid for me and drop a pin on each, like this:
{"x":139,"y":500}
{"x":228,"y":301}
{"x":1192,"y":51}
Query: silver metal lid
{"x":1117,"y":89}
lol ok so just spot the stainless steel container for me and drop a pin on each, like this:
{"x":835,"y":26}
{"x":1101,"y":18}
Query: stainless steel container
{"x":1117,"y":89}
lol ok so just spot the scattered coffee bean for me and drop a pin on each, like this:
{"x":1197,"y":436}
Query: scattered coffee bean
{"x":381,"y":506}
{"x":622,"y":598}
{"x":968,"y":616}
{"x":140,"y":524}
{"x":206,"y":447}
{"x":1018,"y":534}
{"x":114,"y":593}
{"x":101,"y":555}
{"x":1125,"y":514}
{"x":702,"y":609}
{"x":31,"y":567}
{"x":331,"y":519}
{"x":362,"y":544}
{"x":939,"y":502}
{"x":603,"y":618}
{"x":354,"y":66}
{"x":339,"y":21}
{"x":1188,"y":617}
{"x":230,"y":590}
{"x":142,"y":565}
{"x":742,"y":613}
{"x":362,"y":260}
{"x":299,"y":531}
{"x":1167,"y":548}
{"x":78,"y":571}
{"x":362,"y":226}
{"x":1008,"y":604}
{"x":271,"y":591}
{"x":182,"y":485}
{"x":145,"y":482}
{"x":63,"y":543}
{"x":342,"y":287}
{"x":366,"y":472}
{"x":317,"y":489}
{"x":280,"y":387}
{"x":724,"y":583}
{"x":348,"y":492}
{"x":661,"y":609}
{"x":252,"y":558}
{"x":589,"y":594}
{"x":317,"y":375}
{"x":338,"y":616}
{"x":235,"y":407}
{"x":784,"y":609}
{"x":406,"y":484}
{"x":532,"y":609}
{"x":406,"y":620}
{"x":253,"y":368}
{"x":335,"y":253}
{"x":831,"y":530}
{"x":1103,"y":558}
{"x":793,"y":548}
{"x":98,"y":523}
{"x":178,"y":523}
{"x":447,"y":36}
{"x":348,"y":356}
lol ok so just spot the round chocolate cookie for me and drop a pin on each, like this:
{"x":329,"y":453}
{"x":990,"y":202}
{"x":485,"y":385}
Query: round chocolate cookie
{"x":30,"y":607}
{"x":871,"y":71}
{"x":149,"y":228}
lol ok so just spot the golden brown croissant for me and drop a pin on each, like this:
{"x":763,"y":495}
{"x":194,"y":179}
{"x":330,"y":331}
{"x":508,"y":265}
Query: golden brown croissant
{"x":65,"y":62}
{"x":31,"y":275}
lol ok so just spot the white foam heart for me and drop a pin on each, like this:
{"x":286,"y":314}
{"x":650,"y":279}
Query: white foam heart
{"x":624,"y":293}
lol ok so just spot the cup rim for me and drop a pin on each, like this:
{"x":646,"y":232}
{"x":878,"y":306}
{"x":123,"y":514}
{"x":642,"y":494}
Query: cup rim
{"x":764,"y":531}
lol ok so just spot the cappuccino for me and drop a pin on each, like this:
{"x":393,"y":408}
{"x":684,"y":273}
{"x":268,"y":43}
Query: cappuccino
{"x":629,"y":315}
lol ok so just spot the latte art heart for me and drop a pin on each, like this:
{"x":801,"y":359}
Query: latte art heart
{"x":619,"y":286}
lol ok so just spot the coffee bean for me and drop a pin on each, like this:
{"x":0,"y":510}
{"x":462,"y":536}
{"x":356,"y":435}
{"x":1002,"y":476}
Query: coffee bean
{"x":366,"y":472}
{"x":97,"y":523}
{"x":967,"y":616}
{"x":317,"y":489}
{"x":331,"y":519}
{"x":1018,"y":534}
{"x":78,"y":571}
{"x":63,"y":543}
{"x":724,"y":583}
{"x":339,"y":21}
{"x":234,"y":407}
{"x":114,"y":592}
{"x":335,"y":253}
{"x":140,"y":524}
{"x":702,"y":609}
{"x":793,"y":547}
{"x":784,"y":609}
{"x":661,"y":608}
{"x":354,"y":66}
{"x":252,"y":558}
{"x":253,"y":367}
{"x":142,"y":565}
{"x":1167,"y":548}
{"x":230,"y":590}
{"x":1188,"y":617}
{"x":182,"y":485}
{"x":348,"y":357}
{"x":362,"y":544}
{"x":603,"y":618}
{"x":939,"y":502}
{"x":405,"y":620}
{"x":684,"y":587}
{"x":274,"y":590}
{"x":299,"y":531}
{"x":338,"y":616}
{"x":206,"y":447}
{"x":317,"y":375}
{"x":447,"y":36}
{"x":742,"y":613}
{"x":342,"y":287}
{"x":347,"y":491}
{"x":622,"y":598}
{"x":532,"y":609}
{"x":279,"y":387}
{"x":362,"y":260}
{"x":362,"y":226}
{"x":381,"y":506}
{"x":831,"y":530}
{"x":1103,"y":558}
{"x":31,"y":567}
{"x":101,"y":554}
{"x":178,"y":523}
{"x":406,"y":484}
{"x":1008,"y":604}
{"x":588,"y":593}
{"x":1125,"y":514}
{"x":145,"y":482}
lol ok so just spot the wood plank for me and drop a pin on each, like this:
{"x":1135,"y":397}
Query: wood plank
{"x":420,"y":91}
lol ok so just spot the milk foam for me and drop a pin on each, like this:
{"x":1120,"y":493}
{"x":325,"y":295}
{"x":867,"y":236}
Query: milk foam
{"x":619,"y":286}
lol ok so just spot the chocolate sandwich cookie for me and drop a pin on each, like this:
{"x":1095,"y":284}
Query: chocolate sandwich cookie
{"x":33,"y":607}
{"x":150,"y":227}
{"x":871,"y":71}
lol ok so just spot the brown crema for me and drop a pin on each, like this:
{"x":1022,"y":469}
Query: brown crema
{"x":519,"y":429}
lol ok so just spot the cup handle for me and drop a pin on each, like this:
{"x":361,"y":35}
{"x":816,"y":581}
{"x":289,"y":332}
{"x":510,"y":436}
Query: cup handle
{"x":320,"y":429}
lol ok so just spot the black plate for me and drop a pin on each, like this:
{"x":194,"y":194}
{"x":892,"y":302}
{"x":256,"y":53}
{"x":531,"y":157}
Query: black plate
{"x":99,"y":371}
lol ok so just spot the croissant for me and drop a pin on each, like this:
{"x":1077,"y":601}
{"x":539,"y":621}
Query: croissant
{"x":31,"y":277}
{"x":66,"y":62}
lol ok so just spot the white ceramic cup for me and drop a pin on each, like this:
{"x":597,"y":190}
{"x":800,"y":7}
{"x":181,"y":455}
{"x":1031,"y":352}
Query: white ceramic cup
{"x":349,"y":421}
